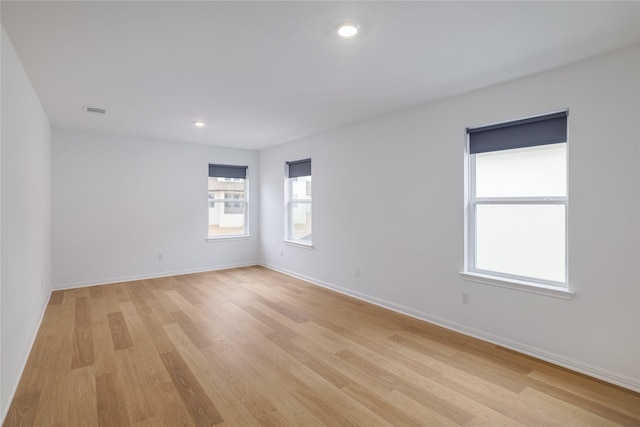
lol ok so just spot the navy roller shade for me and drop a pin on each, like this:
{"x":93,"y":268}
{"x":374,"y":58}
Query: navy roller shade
{"x":227,"y":171}
{"x":530,"y":132}
{"x":299,"y":168}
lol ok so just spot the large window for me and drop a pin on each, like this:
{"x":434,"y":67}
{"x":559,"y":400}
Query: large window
{"x":517,"y":207}
{"x":227,"y":201}
{"x":298,"y":195}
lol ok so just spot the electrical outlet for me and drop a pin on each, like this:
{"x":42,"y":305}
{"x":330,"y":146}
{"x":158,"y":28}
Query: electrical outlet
{"x":356,"y":273}
{"x":281,"y":253}
{"x":465,"y":297}
{"x":160,"y":257}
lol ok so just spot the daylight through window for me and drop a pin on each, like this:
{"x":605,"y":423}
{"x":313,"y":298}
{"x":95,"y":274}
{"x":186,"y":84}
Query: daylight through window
{"x":517,"y":219}
{"x":227,"y":200}
{"x":298,"y":209}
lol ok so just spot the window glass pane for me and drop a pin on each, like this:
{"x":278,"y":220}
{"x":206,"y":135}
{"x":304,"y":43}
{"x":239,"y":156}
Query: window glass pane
{"x":301,"y":188}
{"x":233,"y":207}
{"x":522,"y":172}
{"x":219,"y":187}
{"x":523,"y":240}
{"x":300,"y":221}
{"x":224,"y":220}
{"x":225,"y":217}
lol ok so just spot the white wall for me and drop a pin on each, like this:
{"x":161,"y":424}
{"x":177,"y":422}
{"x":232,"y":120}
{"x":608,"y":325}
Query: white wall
{"x":389,"y":195}
{"x":119,"y":201}
{"x":25,"y":218}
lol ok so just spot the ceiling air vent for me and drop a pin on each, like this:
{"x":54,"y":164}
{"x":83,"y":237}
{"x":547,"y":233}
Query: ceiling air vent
{"x":94,"y":110}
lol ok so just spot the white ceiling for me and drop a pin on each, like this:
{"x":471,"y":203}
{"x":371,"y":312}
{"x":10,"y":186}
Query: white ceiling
{"x":264,"y":73}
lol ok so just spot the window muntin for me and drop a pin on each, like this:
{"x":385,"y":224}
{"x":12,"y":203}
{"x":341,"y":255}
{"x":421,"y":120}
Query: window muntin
{"x":517,"y":217}
{"x":228,"y":205}
{"x":298,"y":184}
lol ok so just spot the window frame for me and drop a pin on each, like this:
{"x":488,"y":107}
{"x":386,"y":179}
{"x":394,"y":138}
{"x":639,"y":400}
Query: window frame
{"x":226,"y":201}
{"x":290,"y":201}
{"x":498,"y":278}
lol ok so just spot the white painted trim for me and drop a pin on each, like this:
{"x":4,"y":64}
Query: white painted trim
{"x":228,"y":237}
{"x":569,"y":363}
{"x":519,"y":285}
{"x":298,"y":244}
{"x":149,"y":276}
{"x":23,"y":365}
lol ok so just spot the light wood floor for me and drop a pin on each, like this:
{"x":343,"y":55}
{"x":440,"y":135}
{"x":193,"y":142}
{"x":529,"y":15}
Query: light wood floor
{"x":251,"y":346}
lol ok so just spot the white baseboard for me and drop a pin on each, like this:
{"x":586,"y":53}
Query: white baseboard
{"x":110,"y":280}
{"x":569,"y":363}
{"x":23,"y":365}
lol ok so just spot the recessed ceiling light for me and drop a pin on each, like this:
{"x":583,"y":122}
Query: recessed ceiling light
{"x":94,"y":110}
{"x":347,"y":29}
{"x":199,"y":124}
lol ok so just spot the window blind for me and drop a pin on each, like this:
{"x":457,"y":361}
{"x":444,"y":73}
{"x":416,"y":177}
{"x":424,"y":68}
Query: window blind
{"x":227,"y":171}
{"x":299,"y":168}
{"x":529,"y":132}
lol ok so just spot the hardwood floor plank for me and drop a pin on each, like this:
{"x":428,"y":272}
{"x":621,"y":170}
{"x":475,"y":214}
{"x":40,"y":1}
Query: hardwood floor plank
{"x":593,"y":390}
{"x":82,"y":409}
{"x":137,"y":396}
{"x":152,"y":325}
{"x":415,"y":369}
{"x":273,"y":364}
{"x":119,"y":332}
{"x":253,"y":347}
{"x":202,"y":410}
{"x":323,"y":369}
{"x":189,"y":291}
{"x":95,"y":292}
{"x":312,"y":390}
{"x":380,"y":405}
{"x":104,"y":359}
{"x":23,"y":410}
{"x":164,"y":300}
{"x":148,"y":359}
{"x":56,"y":297}
{"x":392,"y":382}
{"x":169,"y":407}
{"x":111,"y":298}
{"x":488,"y":370}
{"x":83,"y":335}
{"x":211,"y":322}
{"x":231,"y":409}
{"x":142,"y":291}
{"x":232,"y":370}
{"x":585,"y":404}
{"x":283,"y":308}
{"x":569,"y":414}
{"x":493,"y":397}
{"x":270,"y":322}
{"x":345,"y":409}
{"x":53,"y":382}
{"x":427,"y":416}
{"x":193,"y":331}
{"x":109,"y":401}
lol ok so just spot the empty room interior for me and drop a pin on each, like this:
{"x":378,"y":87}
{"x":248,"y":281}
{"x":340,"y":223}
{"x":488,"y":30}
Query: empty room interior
{"x":320,"y":213}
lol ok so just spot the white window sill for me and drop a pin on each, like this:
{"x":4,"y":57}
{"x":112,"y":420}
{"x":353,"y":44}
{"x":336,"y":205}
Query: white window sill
{"x":232,"y":237}
{"x":519,"y":285}
{"x":298,"y":244}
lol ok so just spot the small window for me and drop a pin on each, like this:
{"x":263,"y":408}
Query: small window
{"x":228,"y":205}
{"x":298,"y":199}
{"x":517,"y":207}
